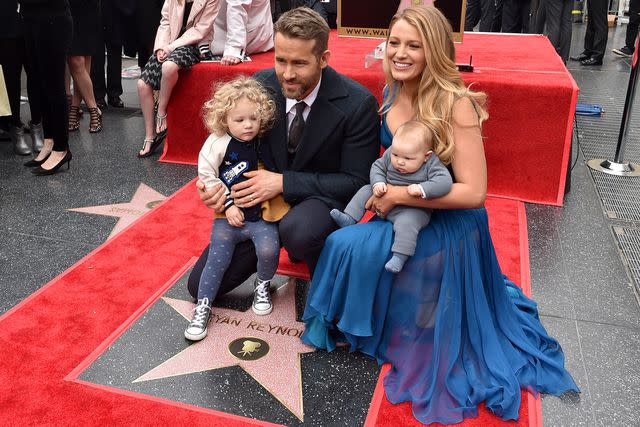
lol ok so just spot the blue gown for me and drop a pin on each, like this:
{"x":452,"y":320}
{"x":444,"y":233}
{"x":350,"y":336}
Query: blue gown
{"x":455,"y":330}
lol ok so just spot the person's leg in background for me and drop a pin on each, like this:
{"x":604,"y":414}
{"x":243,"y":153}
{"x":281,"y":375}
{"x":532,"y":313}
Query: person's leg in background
{"x":558,"y":20}
{"x":511,"y":22}
{"x":113,"y":25}
{"x":541,"y":17}
{"x":524,"y":14}
{"x":488,"y":8}
{"x":472,"y":14}
{"x":114,"y":74}
{"x":566,"y":28}
{"x":35,"y":103}
{"x":48,"y":41}
{"x":98,"y":60}
{"x":80,"y":68}
{"x":496,"y":25}
{"x":632,"y":30}
{"x":595,"y":38}
{"x":12,"y":69}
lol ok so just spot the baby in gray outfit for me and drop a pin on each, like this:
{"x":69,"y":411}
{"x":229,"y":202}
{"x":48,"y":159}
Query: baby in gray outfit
{"x":409,"y":162}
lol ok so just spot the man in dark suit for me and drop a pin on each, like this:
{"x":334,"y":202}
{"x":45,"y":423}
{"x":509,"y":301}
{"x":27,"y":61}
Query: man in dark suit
{"x":325,"y":138}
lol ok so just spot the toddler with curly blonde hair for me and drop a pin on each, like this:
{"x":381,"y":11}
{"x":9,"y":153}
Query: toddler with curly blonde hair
{"x":237,"y":115}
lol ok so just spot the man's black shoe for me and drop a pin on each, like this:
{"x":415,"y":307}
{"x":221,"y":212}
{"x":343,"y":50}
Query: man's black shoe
{"x":580,"y":57}
{"x":116,"y":102}
{"x":101,"y":103}
{"x":592,"y":61}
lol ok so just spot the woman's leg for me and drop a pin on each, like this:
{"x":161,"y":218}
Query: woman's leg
{"x":169,"y":80}
{"x":145,"y":93}
{"x":80,"y":66}
{"x":36,"y":78}
{"x":149,"y":81}
{"x":52,"y":43}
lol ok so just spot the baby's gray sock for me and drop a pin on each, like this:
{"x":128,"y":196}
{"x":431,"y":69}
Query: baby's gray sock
{"x":341,"y":218}
{"x":395,"y":264}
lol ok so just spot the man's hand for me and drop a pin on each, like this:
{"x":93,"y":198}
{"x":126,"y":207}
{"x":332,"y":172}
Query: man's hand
{"x":379,"y":188}
{"x":234,"y":216}
{"x":262,"y":185}
{"x":414,"y":190}
{"x":230,"y":60}
{"x":213,"y":198}
{"x":383,"y":205}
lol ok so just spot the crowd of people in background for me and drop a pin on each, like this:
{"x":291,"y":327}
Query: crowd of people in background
{"x":85,"y":36}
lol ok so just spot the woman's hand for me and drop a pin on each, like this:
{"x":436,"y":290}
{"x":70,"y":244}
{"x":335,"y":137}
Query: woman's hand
{"x":383,"y":205}
{"x":234,"y":216}
{"x":213,"y":198}
{"x":162,"y":54}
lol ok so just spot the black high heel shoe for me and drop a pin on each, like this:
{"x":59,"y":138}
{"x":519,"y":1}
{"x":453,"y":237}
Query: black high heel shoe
{"x":33,"y":162}
{"x":39,"y":171}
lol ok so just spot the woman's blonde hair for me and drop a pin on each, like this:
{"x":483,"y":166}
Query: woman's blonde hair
{"x":225,"y":97}
{"x":440,"y":85}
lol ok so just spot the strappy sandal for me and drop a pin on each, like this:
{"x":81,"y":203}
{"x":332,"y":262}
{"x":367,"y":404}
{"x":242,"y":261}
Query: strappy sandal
{"x":74,"y":118}
{"x":161,"y":121}
{"x":95,"y":125}
{"x":153,"y":145}
{"x":69,"y":101}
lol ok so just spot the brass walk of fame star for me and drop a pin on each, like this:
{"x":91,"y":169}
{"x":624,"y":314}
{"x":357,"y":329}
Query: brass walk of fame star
{"x":278,"y":371}
{"x":144,"y":199}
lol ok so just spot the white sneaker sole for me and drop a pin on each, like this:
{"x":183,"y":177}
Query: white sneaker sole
{"x":262,"y":312}
{"x":193,"y":337}
{"x":621,"y":54}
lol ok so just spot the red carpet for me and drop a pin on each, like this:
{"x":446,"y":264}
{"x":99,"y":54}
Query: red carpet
{"x":45,"y":339}
{"x":532,"y":99}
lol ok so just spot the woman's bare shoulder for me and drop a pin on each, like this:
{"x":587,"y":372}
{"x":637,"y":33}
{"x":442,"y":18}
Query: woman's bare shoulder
{"x":464,"y":113}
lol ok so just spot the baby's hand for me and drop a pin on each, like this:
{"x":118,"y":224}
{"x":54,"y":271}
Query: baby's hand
{"x":234,"y":216}
{"x":380,"y":189}
{"x":414,"y":190}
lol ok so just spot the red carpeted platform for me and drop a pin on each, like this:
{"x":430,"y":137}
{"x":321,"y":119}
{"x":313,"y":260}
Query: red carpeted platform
{"x":47,"y":340}
{"x":532,"y":100}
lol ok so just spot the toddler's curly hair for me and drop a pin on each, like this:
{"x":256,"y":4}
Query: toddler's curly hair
{"x":226,"y":95}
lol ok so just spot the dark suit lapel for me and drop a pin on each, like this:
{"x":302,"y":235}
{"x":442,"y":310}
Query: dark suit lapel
{"x":323,"y":118}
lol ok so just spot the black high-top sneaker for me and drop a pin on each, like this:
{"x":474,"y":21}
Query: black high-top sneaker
{"x":197,"y":328}
{"x":262,"y":297}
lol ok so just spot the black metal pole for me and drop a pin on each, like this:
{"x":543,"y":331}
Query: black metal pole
{"x":628,"y":106}
{"x":618,"y":166}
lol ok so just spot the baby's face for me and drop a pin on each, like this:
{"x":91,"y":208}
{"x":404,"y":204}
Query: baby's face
{"x":408,"y":154}
{"x":243,"y":121}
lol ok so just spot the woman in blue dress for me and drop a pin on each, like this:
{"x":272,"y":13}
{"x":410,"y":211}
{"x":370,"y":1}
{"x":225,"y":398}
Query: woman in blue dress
{"x":454,"y":329}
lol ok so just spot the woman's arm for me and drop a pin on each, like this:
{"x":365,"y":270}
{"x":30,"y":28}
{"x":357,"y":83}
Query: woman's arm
{"x":469,"y":168}
{"x":163,"y":35}
{"x":202,"y":27}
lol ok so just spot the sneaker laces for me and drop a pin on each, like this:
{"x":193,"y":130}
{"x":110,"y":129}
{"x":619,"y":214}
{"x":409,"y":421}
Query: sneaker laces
{"x":262,"y":293}
{"x":200,"y":311}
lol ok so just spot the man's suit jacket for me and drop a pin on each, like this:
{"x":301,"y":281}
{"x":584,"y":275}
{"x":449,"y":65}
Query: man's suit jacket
{"x":339,"y":143}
